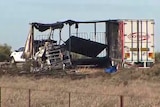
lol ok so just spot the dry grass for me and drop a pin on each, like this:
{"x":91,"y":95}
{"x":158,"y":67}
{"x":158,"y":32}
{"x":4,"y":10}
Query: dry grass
{"x":140,"y":88}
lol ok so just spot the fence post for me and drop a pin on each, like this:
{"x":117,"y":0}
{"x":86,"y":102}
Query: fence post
{"x":29,"y":98}
{"x":69,"y":102}
{"x":0,"y":97}
{"x":121,"y":101}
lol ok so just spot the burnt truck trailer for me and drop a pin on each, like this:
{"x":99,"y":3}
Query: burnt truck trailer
{"x":131,"y":41}
{"x":128,"y":42}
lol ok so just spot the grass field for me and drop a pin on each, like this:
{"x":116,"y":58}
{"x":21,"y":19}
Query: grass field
{"x":140,"y":88}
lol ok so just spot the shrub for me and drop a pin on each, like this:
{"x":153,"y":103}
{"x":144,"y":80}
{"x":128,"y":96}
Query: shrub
{"x":5,"y":51}
{"x":157,"y":56}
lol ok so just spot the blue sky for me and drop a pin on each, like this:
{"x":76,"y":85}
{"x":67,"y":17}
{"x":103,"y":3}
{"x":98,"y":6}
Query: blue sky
{"x":17,"y":14}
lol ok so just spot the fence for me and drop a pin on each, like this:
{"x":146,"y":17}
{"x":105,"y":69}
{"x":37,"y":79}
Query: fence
{"x":18,"y":97}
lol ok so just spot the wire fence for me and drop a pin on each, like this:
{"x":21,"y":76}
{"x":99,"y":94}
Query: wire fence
{"x":22,"y":97}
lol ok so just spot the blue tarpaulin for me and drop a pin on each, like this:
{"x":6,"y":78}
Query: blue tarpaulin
{"x":111,"y":69}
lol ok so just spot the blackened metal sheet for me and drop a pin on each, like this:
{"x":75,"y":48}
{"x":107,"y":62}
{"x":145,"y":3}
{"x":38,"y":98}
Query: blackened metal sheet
{"x":43,"y":27}
{"x":96,"y":61}
{"x":84,"y":46}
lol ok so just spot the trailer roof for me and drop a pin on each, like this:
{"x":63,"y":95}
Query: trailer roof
{"x":59,"y":25}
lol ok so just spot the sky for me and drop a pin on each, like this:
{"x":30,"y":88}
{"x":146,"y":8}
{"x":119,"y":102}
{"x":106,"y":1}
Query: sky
{"x":17,"y":14}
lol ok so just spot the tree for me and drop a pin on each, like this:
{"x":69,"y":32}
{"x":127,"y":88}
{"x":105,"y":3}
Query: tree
{"x":157,"y":56}
{"x":5,"y":51}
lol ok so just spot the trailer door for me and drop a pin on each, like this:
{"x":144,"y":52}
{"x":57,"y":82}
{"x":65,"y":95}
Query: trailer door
{"x":139,"y":40}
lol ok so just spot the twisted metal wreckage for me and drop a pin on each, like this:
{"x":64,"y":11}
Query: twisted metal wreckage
{"x":52,"y":55}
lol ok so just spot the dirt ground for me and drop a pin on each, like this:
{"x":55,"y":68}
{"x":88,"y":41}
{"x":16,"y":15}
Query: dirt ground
{"x":140,"y":88}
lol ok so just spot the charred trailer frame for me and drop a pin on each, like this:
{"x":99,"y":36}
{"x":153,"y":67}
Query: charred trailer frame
{"x":89,"y":59}
{"x":87,"y":44}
